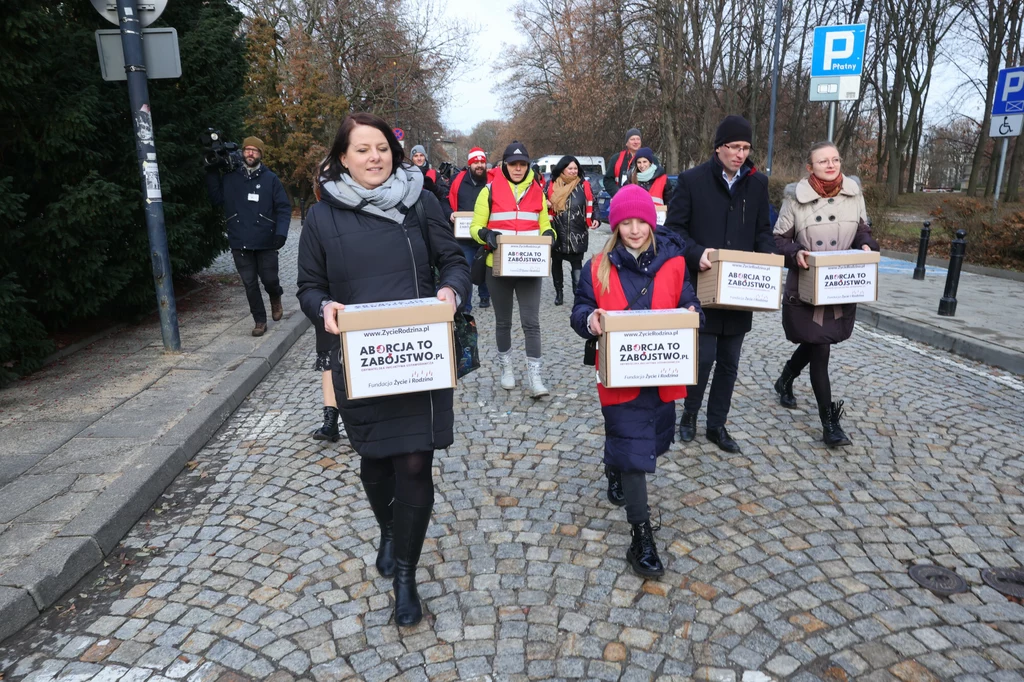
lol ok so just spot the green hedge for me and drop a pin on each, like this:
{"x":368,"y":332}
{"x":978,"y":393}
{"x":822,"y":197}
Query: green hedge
{"x":72,"y":229}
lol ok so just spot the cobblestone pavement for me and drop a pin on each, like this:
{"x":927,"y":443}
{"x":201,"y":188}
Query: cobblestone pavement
{"x":786,"y":562}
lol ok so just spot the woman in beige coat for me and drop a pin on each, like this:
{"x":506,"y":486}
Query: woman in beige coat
{"x":823,"y":212}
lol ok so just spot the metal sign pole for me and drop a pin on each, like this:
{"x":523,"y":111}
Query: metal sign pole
{"x":999,"y":176}
{"x":776,"y":64}
{"x":138,"y":96}
{"x":831,"y":121}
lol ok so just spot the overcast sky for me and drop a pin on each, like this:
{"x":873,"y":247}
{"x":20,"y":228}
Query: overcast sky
{"x":472,"y":100}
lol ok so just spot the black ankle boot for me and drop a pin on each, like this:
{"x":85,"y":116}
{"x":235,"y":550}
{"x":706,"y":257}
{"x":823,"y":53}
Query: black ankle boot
{"x":688,"y":426}
{"x":831,"y":432}
{"x":329,"y":430}
{"x":410,"y":529}
{"x":615,"y":494}
{"x":558,"y":297}
{"x":784,"y":387}
{"x":381,"y":495}
{"x":642,"y":554}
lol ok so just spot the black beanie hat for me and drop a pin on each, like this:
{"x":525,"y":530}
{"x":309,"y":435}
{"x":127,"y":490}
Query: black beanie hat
{"x":631,"y":132}
{"x":733,"y":129}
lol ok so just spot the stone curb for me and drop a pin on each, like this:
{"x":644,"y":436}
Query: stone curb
{"x":935,"y":261}
{"x":942,"y":339}
{"x":40,"y":580}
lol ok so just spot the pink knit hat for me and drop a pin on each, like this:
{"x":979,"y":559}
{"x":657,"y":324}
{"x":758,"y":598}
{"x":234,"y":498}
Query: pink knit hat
{"x":632,"y":201}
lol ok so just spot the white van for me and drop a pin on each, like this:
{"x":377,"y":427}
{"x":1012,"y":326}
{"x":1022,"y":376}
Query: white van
{"x":591,"y":165}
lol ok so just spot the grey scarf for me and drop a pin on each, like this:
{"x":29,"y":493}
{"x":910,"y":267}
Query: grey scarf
{"x":391,"y":200}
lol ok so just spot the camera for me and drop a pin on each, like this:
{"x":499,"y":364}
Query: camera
{"x":220,"y":155}
{"x":446,"y":170}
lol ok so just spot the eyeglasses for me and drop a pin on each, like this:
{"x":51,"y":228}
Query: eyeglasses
{"x":738,"y":148}
{"x":825,"y":162}
{"x":250,"y":149}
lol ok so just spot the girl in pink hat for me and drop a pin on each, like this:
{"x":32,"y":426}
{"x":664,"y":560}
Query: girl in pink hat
{"x":638,"y":269}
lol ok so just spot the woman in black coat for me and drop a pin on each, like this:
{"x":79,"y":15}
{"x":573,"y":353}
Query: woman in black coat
{"x":571,"y":206}
{"x":363,"y":243}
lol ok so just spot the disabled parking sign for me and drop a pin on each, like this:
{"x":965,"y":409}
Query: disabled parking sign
{"x":1009,"y":99}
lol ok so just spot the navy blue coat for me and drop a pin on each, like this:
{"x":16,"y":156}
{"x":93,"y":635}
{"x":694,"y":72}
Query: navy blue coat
{"x":711,"y":216}
{"x":638,"y":431}
{"x":251,"y":224}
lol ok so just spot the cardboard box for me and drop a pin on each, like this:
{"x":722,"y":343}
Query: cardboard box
{"x":648,"y":348}
{"x":522,"y":256}
{"x":741,"y":280}
{"x":397,"y":347}
{"x":837,"y":277}
{"x":463,"y":219}
{"x":662,"y":211}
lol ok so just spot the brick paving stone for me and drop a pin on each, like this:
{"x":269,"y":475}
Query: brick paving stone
{"x":789,"y":560}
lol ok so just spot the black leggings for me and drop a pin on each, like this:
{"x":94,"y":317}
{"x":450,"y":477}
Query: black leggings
{"x":634,"y":488}
{"x":414,"y":482}
{"x":816,"y":355}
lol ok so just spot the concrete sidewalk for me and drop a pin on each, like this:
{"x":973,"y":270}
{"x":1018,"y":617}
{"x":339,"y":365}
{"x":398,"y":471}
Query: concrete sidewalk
{"x":88,"y":443}
{"x":989,"y":321}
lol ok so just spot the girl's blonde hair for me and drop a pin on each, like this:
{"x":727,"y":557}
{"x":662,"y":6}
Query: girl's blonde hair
{"x":604,"y":268}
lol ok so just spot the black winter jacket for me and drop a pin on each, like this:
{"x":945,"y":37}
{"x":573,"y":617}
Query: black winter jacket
{"x":710,"y":216}
{"x":251,"y":224}
{"x":350,"y":256}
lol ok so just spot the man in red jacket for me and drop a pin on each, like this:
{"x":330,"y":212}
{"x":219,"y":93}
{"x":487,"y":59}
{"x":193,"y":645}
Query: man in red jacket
{"x":462,"y":196}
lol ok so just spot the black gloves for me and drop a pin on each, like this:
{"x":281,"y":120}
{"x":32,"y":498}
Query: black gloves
{"x":279,"y":240}
{"x":490,"y":238}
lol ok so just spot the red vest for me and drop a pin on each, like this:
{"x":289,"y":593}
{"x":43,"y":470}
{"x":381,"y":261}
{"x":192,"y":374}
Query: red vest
{"x":508,"y":216}
{"x":453,"y":193}
{"x":657,"y":190}
{"x":618,"y":163}
{"x":668,"y":287}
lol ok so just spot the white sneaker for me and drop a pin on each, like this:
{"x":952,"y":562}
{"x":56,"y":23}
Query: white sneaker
{"x":537,"y":388}
{"x":508,"y":378}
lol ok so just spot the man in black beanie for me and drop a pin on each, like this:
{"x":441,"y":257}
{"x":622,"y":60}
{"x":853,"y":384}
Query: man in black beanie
{"x":720,"y":204}
{"x":616,"y":174}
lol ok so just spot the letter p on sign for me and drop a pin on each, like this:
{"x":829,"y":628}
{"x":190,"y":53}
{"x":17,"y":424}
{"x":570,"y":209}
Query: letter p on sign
{"x":831,"y":53}
{"x":1014,"y":83}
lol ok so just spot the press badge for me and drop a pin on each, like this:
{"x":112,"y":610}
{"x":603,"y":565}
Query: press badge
{"x":254,"y":197}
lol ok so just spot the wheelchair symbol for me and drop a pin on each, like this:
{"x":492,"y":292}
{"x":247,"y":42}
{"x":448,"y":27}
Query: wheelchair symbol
{"x":1005,"y":128}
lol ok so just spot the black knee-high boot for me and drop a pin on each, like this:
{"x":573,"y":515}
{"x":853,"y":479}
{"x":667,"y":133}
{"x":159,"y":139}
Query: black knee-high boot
{"x":381,"y":495}
{"x":556,"y":280}
{"x":575,"y":275}
{"x":410,"y":529}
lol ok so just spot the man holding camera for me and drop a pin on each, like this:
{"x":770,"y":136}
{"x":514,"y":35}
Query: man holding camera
{"x":258,"y":213}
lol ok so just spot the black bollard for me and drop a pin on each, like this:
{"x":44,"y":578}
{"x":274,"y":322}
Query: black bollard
{"x":302,"y":213}
{"x":922,"y":250}
{"x":947,"y":306}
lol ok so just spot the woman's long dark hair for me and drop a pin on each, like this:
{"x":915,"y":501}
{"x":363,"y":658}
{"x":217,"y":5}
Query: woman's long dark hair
{"x":562,"y":164}
{"x":334,"y":169}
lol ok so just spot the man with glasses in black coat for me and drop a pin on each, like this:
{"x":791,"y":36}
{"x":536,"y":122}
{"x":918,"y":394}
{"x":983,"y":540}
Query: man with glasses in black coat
{"x":720,"y":204}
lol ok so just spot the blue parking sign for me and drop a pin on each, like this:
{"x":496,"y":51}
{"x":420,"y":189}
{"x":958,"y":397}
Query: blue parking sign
{"x":1009,"y":97}
{"x":838,"y":50}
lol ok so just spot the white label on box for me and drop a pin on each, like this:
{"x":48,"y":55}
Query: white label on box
{"x":399,"y":360}
{"x":662,"y":357}
{"x":462,"y":227}
{"x":662,"y":214}
{"x":525,"y":260}
{"x":750,"y":285}
{"x":846,"y":283}
{"x":387,"y":305}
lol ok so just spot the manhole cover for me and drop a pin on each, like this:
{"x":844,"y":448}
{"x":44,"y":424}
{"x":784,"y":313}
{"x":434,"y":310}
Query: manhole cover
{"x":1009,"y":581}
{"x":938,"y":579}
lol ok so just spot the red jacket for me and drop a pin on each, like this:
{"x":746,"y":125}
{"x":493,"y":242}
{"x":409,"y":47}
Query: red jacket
{"x":668,"y":287}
